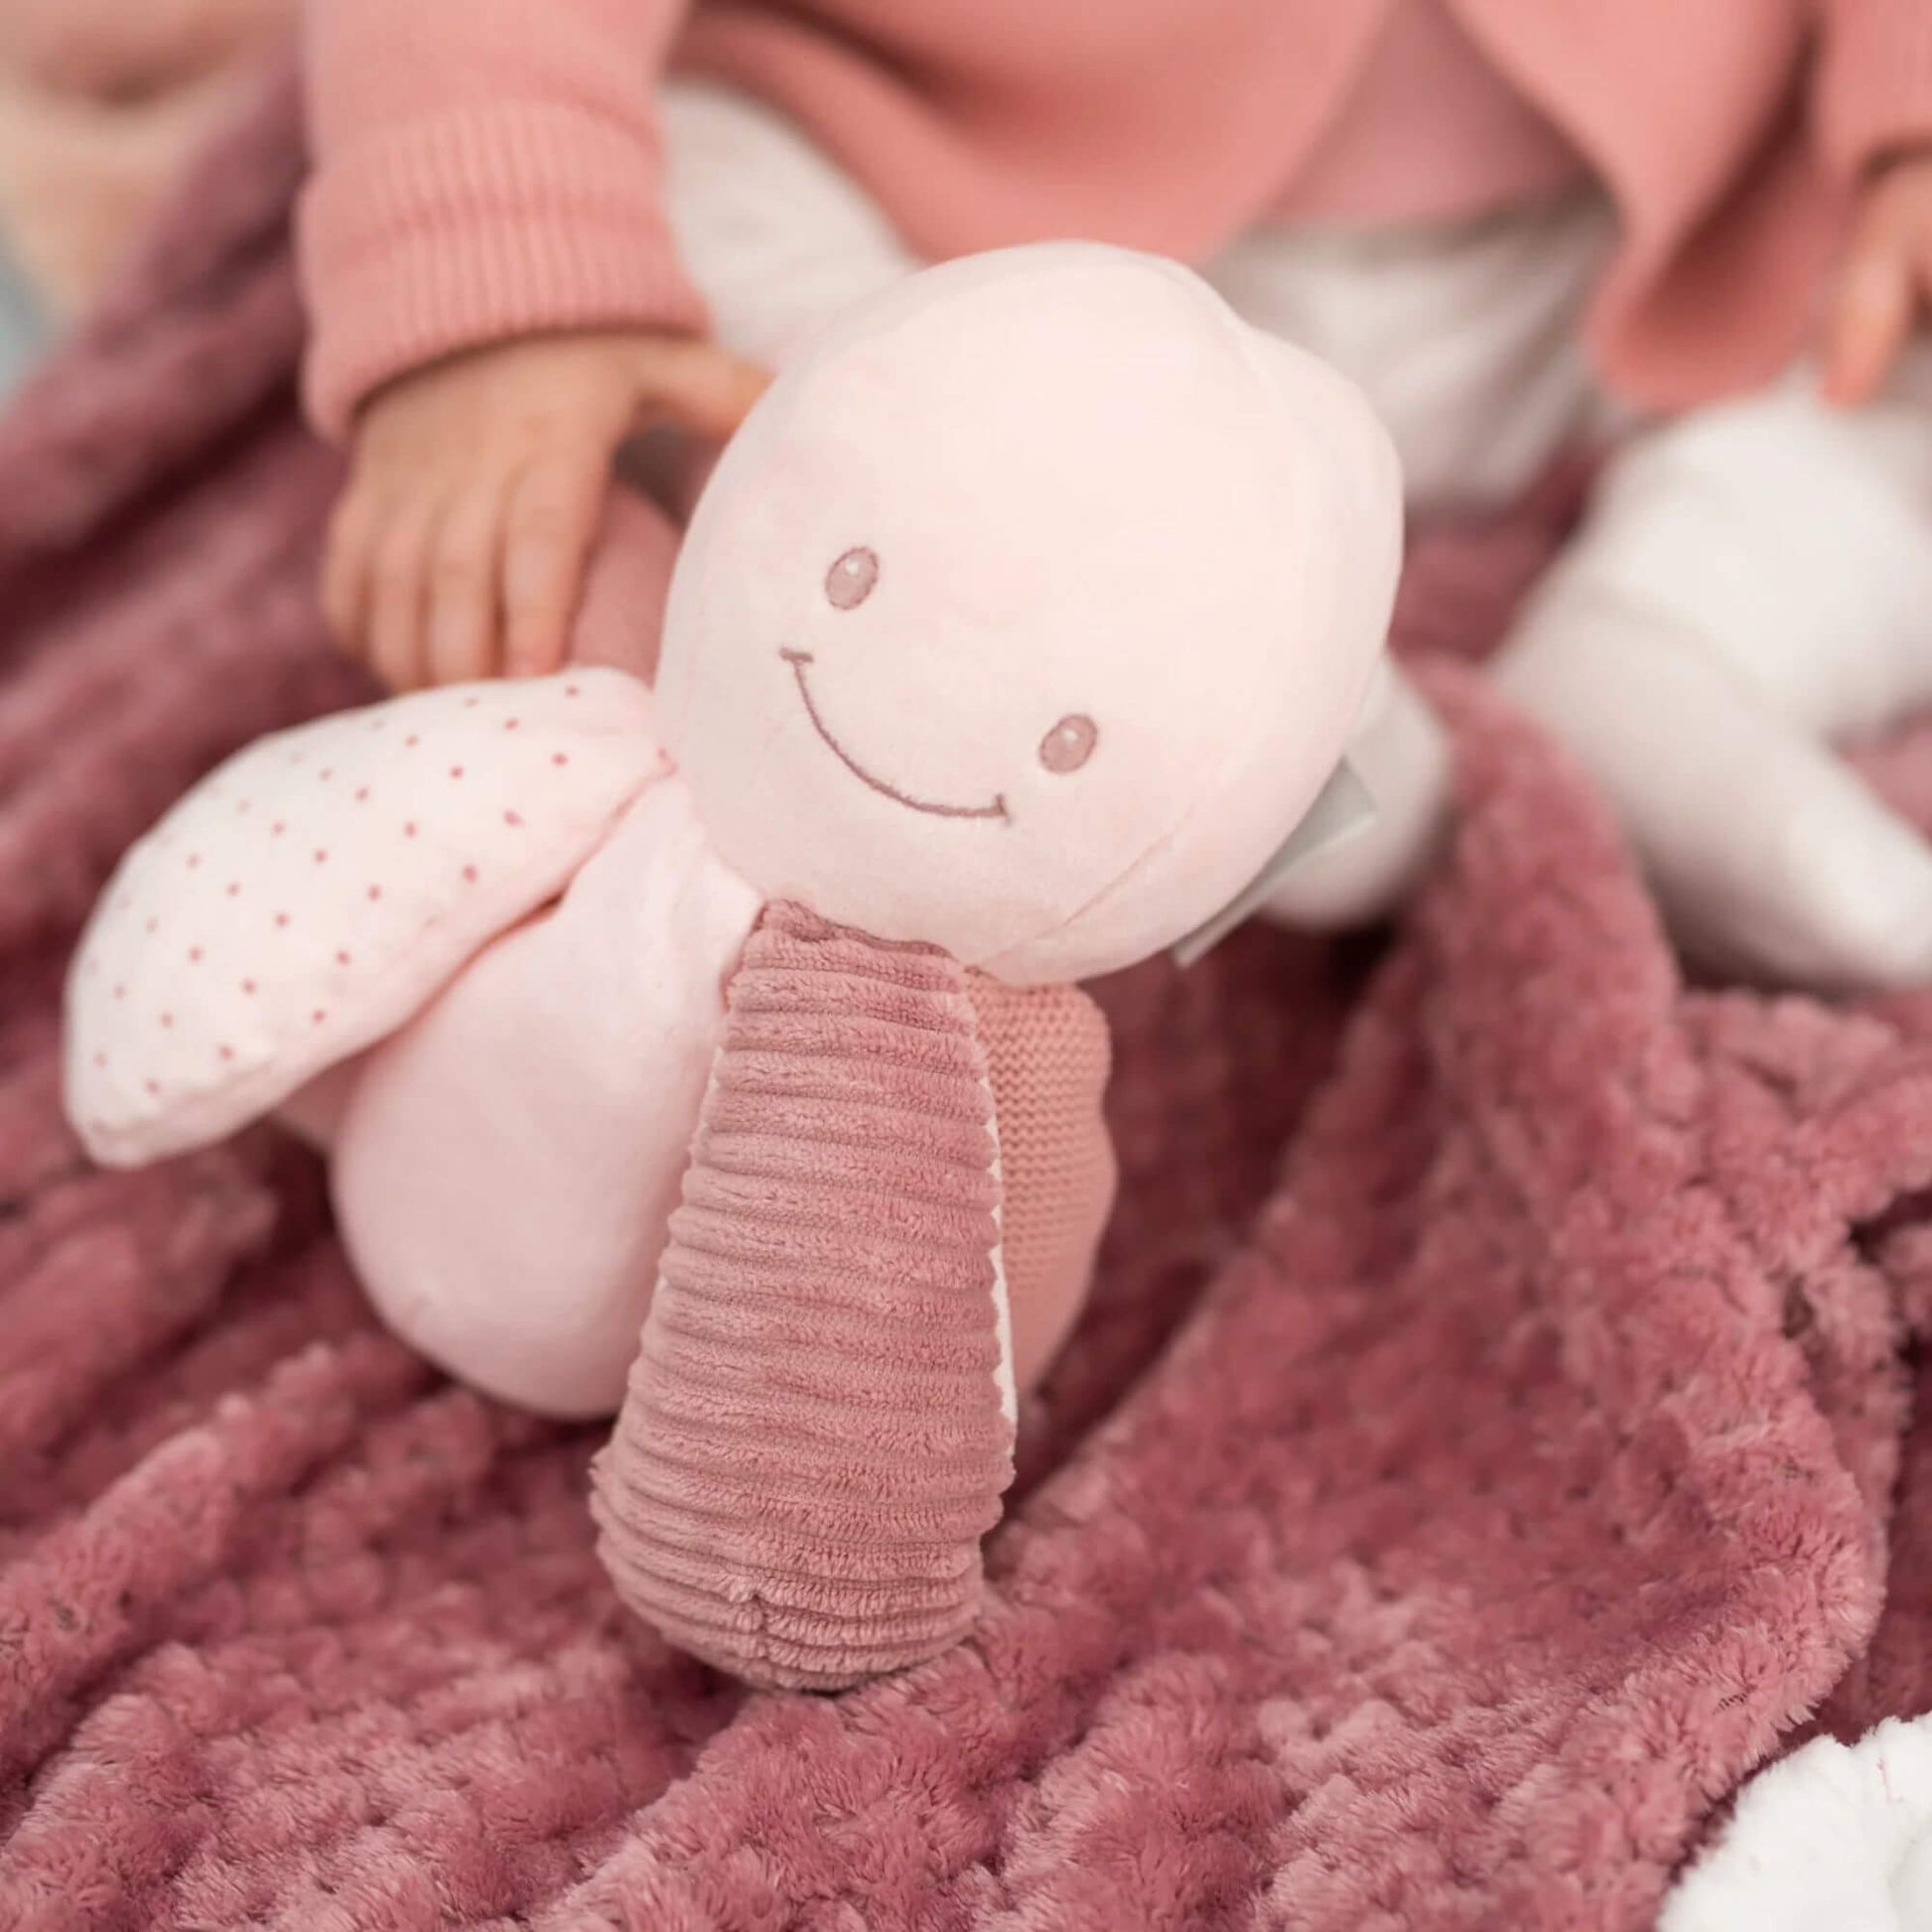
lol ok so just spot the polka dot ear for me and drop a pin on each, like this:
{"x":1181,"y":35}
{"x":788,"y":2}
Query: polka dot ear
{"x":243,"y":951}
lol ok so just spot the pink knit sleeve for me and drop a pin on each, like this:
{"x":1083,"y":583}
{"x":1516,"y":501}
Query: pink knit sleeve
{"x":1874,"y":84}
{"x":484,"y":169}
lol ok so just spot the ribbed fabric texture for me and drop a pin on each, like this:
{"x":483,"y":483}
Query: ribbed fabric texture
{"x":1048,"y":1055}
{"x":465,"y":229}
{"x":813,"y":1444}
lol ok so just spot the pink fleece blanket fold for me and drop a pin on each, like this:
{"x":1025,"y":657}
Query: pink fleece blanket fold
{"x":1494,"y":1432}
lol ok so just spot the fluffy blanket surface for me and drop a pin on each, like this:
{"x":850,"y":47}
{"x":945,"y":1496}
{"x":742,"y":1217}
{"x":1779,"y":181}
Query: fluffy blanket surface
{"x":1499,"y":1429}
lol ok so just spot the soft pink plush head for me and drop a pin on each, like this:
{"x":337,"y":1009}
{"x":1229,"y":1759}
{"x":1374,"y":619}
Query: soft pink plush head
{"x":1029,"y":610}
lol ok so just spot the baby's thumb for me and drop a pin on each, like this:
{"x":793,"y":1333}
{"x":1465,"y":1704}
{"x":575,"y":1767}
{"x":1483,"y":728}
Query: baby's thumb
{"x":701,"y":388}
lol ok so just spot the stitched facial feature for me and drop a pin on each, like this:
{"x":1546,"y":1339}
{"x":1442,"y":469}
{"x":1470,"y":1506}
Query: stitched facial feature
{"x":851,"y":578}
{"x":1069,"y":745}
{"x":801,"y":662}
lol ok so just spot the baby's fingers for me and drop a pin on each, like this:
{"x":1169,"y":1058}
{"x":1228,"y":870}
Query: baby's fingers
{"x":701,"y":388}
{"x":398,"y":595}
{"x":1888,"y":270}
{"x":464,"y":614}
{"x":551,"y":520}
{"x":346,"y":570}
{"x":1871,"y":323}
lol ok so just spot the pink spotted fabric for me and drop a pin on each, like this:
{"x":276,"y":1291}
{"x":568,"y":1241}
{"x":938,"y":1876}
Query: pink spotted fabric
{"x":318,"y":889}
{"x":1499,"y":1425}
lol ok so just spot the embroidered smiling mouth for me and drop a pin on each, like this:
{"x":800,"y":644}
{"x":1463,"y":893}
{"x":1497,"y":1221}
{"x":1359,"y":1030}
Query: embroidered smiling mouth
{"x":798,"y":659}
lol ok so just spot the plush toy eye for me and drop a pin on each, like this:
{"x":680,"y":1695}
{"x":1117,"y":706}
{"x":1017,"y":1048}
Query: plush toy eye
{"x":849,"y":582}
{"x":1069,"y":745}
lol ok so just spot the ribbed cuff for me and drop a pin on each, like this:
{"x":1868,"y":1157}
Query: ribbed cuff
{"x":1876,"y":93}
{"x":475,"y":228}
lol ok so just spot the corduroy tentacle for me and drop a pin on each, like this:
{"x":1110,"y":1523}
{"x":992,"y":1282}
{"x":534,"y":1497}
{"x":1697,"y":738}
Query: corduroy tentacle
{"x":814,"y":1439}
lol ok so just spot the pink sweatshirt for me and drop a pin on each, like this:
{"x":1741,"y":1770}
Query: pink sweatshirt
{"x":487,"y":167}
{"x":1429,"y":130}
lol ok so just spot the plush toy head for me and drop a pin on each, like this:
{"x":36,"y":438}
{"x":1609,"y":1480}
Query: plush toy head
{"x":1029,"y":610}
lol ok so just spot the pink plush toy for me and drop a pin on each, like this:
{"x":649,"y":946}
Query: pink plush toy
{"x":1018,"y":635}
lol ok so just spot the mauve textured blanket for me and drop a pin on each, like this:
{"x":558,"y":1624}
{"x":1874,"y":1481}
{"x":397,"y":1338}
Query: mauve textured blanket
{"x":1498,"y":1427}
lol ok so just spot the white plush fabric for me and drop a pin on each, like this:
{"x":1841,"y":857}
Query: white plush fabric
{"x":319,"y":888}
{"x":1834,"y":1839}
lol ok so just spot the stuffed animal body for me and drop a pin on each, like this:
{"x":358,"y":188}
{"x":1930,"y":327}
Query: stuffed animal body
{"x":714,"y":1053}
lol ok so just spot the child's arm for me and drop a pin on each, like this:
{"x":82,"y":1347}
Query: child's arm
{"x":496,"y":305}
{"x":1875,"y":122}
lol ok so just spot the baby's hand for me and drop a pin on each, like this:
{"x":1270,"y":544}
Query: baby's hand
{"x":477,"y":484}
{"x":1886,"y":280}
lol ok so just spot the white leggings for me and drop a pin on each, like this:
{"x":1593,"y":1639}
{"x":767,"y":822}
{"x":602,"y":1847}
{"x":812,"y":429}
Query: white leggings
{"x":1752,"y":579}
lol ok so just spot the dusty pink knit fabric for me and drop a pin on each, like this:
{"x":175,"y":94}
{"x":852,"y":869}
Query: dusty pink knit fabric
{"x":812,"y":1444}
{"x":1049,"y":1057}
{"x":1490,"y":1437}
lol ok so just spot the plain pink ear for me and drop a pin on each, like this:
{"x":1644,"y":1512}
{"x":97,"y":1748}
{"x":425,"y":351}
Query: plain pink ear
{"x":621,"y":616}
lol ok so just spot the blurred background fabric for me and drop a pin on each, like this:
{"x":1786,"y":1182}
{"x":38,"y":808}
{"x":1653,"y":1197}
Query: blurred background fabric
{"x":103,"y":105}
{"x":23,"y":327}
